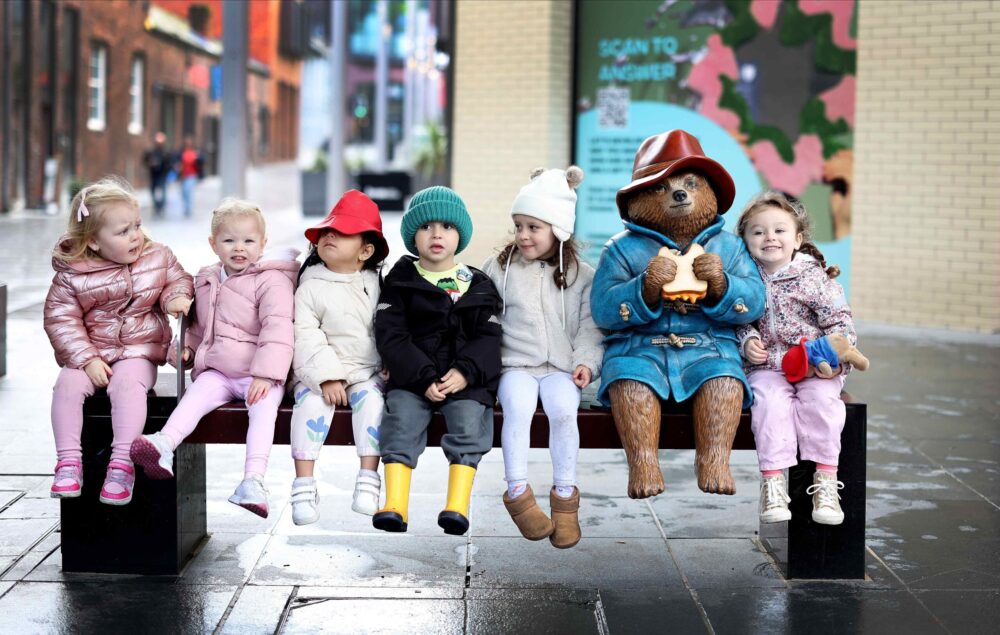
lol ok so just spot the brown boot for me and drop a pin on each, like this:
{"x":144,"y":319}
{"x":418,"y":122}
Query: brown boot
{"x":528,"y":516}
{"x":564,"y":515}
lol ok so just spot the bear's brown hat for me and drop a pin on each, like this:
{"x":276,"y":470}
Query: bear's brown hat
{"x":661,"y":155}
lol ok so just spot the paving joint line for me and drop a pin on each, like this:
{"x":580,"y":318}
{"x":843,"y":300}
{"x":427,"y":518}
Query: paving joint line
{"x":906,"y":586}
{"x":949,"y":473}
{"x":687,"y":584}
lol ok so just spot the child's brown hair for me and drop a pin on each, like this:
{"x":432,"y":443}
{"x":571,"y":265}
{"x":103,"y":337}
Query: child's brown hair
{"x":794,"y":207}
{"x":86,"y":222}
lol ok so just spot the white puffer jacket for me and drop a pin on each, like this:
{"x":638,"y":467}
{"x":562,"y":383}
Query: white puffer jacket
{"x":334,"y":327}
{"x":534,"y":339}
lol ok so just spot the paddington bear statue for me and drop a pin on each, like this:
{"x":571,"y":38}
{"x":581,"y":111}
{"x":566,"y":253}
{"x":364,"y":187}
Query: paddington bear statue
{"x":660,"y":349}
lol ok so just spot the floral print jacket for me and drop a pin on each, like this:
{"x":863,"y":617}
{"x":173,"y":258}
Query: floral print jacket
{"x":802,"y":301}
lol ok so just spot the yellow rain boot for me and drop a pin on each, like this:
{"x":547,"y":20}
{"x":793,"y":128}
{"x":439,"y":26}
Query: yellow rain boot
{"x":393,"y":516}
{"x":455,"y":517}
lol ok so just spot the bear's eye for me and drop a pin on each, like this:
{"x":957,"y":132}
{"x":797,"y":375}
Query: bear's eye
{"x":690,"y":184}
{"x":659,"y":187}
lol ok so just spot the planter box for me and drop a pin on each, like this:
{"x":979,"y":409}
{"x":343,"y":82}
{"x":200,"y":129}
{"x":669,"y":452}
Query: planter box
{"x":314,"y":194}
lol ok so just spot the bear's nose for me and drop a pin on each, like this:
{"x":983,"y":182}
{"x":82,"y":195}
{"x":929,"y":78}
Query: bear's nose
{"x":680,"y":196}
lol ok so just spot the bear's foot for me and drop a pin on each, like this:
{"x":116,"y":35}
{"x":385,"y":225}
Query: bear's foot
{"x":645,"y":479}
{"x":714,"y":477}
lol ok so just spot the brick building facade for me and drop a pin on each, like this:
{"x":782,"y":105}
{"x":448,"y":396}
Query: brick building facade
{"x":87,"y":84}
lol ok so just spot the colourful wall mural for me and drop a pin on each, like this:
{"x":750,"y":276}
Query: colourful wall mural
{"x":766,"y":85}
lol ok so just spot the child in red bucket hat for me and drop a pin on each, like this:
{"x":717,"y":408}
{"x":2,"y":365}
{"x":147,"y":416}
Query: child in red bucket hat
{"x":794,"y":410}
{"x":335,"y":361}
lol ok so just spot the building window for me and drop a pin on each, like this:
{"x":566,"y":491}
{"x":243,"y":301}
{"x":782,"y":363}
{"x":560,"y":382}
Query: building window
{"x":136,"y":92}
{"x":97,"y":87}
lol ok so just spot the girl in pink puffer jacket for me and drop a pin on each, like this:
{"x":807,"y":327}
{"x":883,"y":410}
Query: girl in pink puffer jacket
{"x":241,"y":344}
{"x":105,"y":315}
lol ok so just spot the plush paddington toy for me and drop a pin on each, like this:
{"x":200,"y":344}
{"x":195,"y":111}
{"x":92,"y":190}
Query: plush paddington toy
{"x":820,"y":357}
{"x":683,"y":348}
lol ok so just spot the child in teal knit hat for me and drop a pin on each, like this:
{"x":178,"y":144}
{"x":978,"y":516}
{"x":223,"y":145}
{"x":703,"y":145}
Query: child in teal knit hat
{"x":438,"y":333}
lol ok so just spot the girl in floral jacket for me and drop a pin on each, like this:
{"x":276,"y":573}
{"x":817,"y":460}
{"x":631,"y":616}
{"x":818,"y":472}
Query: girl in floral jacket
{"x":803,"y":302}
{"x":106,"y":316}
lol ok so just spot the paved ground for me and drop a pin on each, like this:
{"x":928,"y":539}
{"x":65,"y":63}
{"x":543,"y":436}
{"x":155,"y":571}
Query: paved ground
{"x":681,"y":562}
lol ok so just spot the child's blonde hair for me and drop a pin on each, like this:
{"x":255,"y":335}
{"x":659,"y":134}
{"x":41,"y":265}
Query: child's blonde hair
{"x":86,"y":222}
{"x":794,"y":207}
{"x":231,"y":208}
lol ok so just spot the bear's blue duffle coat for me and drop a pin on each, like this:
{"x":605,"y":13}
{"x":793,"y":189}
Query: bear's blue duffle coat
{"x":640,"y":345}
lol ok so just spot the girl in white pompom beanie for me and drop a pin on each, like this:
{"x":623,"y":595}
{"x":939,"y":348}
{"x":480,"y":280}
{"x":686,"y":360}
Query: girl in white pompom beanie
{"x":551,"y":348}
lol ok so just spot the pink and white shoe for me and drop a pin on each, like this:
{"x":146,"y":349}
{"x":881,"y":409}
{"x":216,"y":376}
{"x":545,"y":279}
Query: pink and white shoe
{"x":251,"y":495}
{"x":152,"y":453}
{"x":68,"y":481}
{"x":118,"y":484}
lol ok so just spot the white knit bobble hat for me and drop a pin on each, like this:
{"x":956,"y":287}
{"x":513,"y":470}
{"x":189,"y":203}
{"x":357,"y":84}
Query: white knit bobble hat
{"x":551,"y":197}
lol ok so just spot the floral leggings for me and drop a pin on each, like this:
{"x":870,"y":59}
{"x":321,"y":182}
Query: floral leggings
{"x":312,"y":416}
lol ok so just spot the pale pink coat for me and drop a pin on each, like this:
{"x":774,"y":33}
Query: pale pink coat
{"x":243,"y":327}
{"x":101,"y":309}
{"x":802,"y":301}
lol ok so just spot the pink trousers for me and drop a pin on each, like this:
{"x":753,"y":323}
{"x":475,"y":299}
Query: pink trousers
{"x":130,"y":380}
{"x":213,"y":389}
{"x":808,"y":416}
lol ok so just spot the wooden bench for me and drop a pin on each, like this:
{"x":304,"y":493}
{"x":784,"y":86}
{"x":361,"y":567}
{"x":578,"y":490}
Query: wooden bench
{"x":165,"y":523}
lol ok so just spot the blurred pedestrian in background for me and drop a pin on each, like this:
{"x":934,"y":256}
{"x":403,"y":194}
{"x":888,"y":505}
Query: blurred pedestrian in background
{"x":190,"y":167}
{"x":158,"y":161}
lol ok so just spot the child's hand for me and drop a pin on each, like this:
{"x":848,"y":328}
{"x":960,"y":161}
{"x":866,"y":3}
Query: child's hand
{"x":581,"y":376}
{"x":187,"y":354}
{"x":334,"y":392}
{"x":754,"y":351}
{"x":384,"y":374}
{"x":259,"y":387}
{"x":452,"y":382}
{"x":98,"y":372}
{"x":177,"y":306}
{"x":434,"y":393}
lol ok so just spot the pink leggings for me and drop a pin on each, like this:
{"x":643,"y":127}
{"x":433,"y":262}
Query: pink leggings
{"x":130,"y":380}
{"x":807,"y":416}
{"x":213,"y":389}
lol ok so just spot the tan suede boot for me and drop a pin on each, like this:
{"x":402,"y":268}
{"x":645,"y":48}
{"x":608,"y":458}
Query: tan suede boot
{"x":564,"y":515}
{"x":531,"y":521}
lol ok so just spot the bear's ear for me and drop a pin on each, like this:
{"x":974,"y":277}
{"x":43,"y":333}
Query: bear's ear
{"x":574,"y":176}
{"x":534,"y":173}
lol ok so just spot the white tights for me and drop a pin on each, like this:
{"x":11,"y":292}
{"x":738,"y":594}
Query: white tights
{"x":518,"y":394}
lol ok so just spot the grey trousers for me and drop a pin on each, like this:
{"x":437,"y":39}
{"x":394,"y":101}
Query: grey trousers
{"x":403,"y":433}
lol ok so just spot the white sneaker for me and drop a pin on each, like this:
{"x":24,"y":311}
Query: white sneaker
{"x":305,"y":501}
{"x":251,"y":495}
{"x":826,"y":500}
{"x":774,"y":500}
{"x":366,"y":492}
{"x":152,"y":452}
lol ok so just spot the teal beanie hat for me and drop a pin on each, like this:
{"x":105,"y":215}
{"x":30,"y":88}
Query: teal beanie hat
{"x":439,"y":204}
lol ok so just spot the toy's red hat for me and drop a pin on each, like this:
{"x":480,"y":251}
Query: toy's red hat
{"x":354,"y":213}
{"x":664,"y":154}
{"x":795,"y":363}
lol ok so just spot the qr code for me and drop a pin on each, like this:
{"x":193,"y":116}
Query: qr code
{"x":612,"y":104}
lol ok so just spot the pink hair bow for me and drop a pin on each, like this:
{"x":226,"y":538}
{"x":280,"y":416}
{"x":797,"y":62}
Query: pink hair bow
{"x":82,"y":210}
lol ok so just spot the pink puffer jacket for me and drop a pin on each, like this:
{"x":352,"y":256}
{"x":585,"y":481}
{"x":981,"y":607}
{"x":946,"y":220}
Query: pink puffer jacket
{"x":98,"y":308}
{"x":243,"y":327}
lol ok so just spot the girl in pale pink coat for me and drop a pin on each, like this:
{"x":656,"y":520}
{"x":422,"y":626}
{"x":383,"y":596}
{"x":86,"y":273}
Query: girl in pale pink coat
{"x":106,"y":316}
{"x":803,"y":301}
{"x":241,"y":343}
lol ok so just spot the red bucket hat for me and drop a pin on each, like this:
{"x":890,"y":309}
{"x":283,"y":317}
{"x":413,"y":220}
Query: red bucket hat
{"x":795,"y":363}
{"x":354,"y":213}
{"x":661,"y":155}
